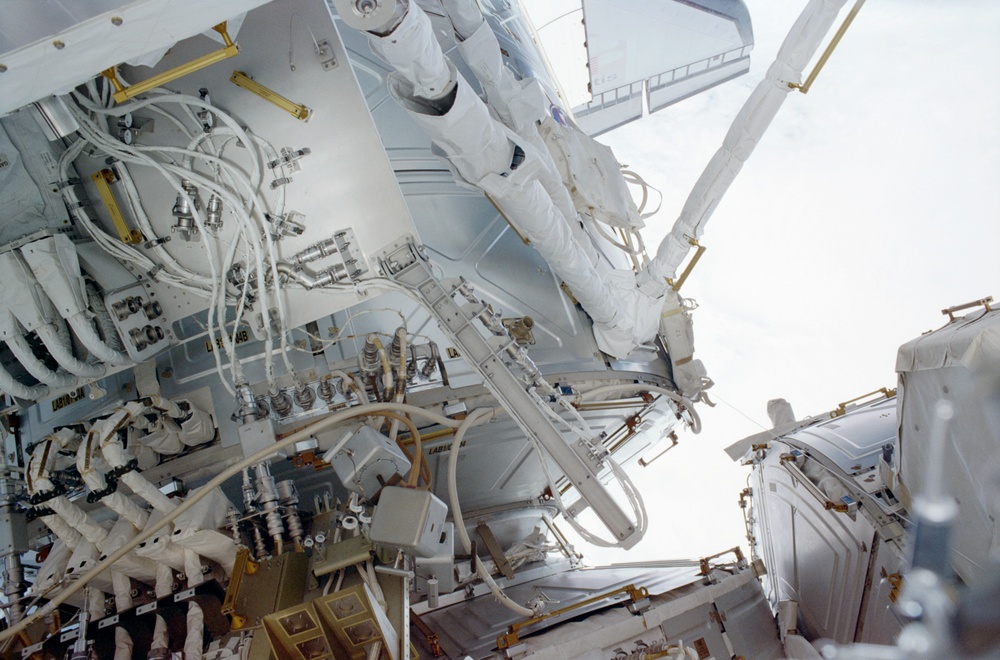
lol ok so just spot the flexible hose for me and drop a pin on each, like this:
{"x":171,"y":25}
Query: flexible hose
{"x":383,"y":357}
{"x":67,"y":534}
{"x":418,"y":450}
{"x":95,"y":481}
{"x":15,"y":388}
{"x":108,"y":332}
{"x":92,"y":341}
{"x":477,"y":417}
{"x":56,"y":379}
{"x":58,"y":346}
{"x":217,"y":481}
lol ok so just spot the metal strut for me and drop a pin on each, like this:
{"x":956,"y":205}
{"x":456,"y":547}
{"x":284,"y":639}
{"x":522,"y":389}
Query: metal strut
{"x":402,"y":262}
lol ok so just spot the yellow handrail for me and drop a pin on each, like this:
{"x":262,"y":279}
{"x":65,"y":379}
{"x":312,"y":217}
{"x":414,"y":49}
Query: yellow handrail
{"x":804,"y":87}
{"x":123,"y":93}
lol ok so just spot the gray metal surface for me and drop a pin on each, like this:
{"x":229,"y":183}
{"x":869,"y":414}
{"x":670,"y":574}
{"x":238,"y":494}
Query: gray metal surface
{"x":816,"y":557}
{"x":853,"y":442}
{"x":472,"y":627}
{"x":349,"y":180}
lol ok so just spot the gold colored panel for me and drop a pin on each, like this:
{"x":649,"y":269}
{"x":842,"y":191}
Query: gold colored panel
{"x":275,"y":584}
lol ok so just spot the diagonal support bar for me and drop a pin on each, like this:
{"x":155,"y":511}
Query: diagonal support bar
{"x":403,"y":264}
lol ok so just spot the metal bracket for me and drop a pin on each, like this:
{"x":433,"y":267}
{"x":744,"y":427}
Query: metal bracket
{"x":325,"y":54}
{"x":123,"y":93}
{"x":103,"y":181}
{"x":699,"y":250}
{"x":842,"y":407}
{"x":296,"y":110}
{"x":985,"y":302}
{"x":706,"y":565}
{"x":403,"y":262}
{"x":804,"y":87}
{"x":506,"y":641}
{"x":493,"y":547}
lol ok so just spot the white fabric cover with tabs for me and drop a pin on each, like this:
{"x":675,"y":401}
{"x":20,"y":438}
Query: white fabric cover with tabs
{"x":195,"y":529}
{"x":677,"y":332}
{"x":592,"y":174}
{"x":414,"y":52}
{"x":83,"y":559}
{"x":160,"y":548}
{"x":198,"y":428}
{"x":23,"y":296}
{"x":93,"y":43}
{"x":56,"y":266}
{"x":960,"y":363}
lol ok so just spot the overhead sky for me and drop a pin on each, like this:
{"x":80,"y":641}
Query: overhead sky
{"x":872,"y":203}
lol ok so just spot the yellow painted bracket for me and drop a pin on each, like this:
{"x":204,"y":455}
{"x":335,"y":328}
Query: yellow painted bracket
{"x":985,"y":302}
{"x":294,"y":109}
{"x":511,"y":638}
{"x":244,"y":565}
{"x":123,"y":93}
{"x":811,"y":78}
{"x":842,"y":407}
{"x":705,"y":563}
{"x":699,"y":250}
{"x":103,"y":180}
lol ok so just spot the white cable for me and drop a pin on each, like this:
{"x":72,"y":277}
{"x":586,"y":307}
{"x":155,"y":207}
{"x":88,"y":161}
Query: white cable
{"x":15,"y":388}
{"x":58,"y":346}
{"x":56,"y":379}
{"x":136,"y":156}
{"x":84,"y":330}
{"x":476,"y":417}
{"x":215,"y":482}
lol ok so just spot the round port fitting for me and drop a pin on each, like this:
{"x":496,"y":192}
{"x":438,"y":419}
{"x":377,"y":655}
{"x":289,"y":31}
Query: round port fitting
{"x":326,"y":390}
{"x":126,"y":307}
{"x":153,"y":310}
{"x":149,"y":332}
{"x":305,"y":397}
{"x":138,"y":337}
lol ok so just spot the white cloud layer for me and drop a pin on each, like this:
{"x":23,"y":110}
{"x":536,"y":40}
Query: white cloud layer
{"x":872,"y":203}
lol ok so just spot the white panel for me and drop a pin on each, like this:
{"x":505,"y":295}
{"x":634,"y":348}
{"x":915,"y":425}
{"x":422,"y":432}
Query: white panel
{"x":749,"y":622}
{"x":665,"y":93}
{"x":820,"y":557}
{"x":961,"y":363}
{"x":853,"y":441}
{"x":610,"y":110}
{"x":93,"y":37}
{"x":881,"y":625}
{"x":630,"y":41}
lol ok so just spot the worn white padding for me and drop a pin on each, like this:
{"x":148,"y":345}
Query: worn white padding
{"x":413,"y":51}
{"x":796,"y":51}
{"x":56,"y":266}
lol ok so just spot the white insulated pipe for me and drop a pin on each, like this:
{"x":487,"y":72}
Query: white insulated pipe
{"x":798,"y":48}
{"x":57,"y":343}
{"x":56,"y":267}
{"x":66,"y":533}
{"x":482,"y":150}
{"x":94,"y":480}
{"x":22,"y":351}
{"x":71,"y":514}
{"x":15,"y":388}
{"x":207,"y":542}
